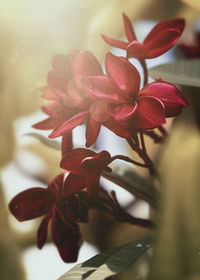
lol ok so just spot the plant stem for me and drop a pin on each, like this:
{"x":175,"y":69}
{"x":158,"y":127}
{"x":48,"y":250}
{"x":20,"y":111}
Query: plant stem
{"x":145,"y":71}
{"x":125,"y":158}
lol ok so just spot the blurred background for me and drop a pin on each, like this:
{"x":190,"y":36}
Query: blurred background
{"x":31,"y":32}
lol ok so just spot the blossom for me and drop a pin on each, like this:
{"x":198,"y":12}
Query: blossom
{"x":85,"y":167}
{"x":160,"y":39}
{"x":63,"y":211}
{"x":69,"y":100}
{"x":120,"y":88}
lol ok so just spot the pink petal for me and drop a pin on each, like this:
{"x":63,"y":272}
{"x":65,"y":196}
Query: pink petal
{"x":46,"y":124}
{"x":177,"y":24}
{"x":67,"y":143}
{"x":161,"y":43}
{"x":72,"y":161}
{"x":67,"y":239}
{"x":98,"y":111}
{"x":73,"y":183}
{"x":68,"y":125}
{"x":150,"y":113}
{"x":76,"y":97}
{"x":42,"y":231}
{"x":31,"y":204}
{"x":122,"y":112}
{"x":130,"y":34}
{"x":102,"y":88}
{"x":92,"y":131}
{"x":136,"y":49}
{"x":168,"y":94}
{"x":115,"y":43}
{"x":86,"y":64}
{"x":123,"y":74}
{"x":48,"y":93}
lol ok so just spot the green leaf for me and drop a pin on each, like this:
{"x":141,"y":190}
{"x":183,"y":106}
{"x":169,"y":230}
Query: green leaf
{"x":181,"y":72}
{"x":137,"y":185}
{"x":110,"y":262}
{"x":46,"y":141}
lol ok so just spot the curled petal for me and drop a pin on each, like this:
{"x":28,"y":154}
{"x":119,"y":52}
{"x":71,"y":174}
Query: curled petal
{"x":136,"y":49}
{"x":150,"y":113}
{"x":42,"y":231}
{"x":31,"y":204}
{"x":122,"y":112}
{"x":98,"y":161}
{"x":115,"y":43}
{"x":72,"y":160}
{"x":177,"y":24}
{"x":123,"y":74}
{"x":168,"y":94}
{"x":68,"y":125}
{"x":130,"y":34}
{"x":73,"y":184}
{"x":92,"y":131}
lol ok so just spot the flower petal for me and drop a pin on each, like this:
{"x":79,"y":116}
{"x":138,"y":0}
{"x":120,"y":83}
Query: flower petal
{"x":67,"y":143}
{"x":150,"y":113}
{"x":161,"y":43}
{"x":123,"y":74}
{"x":130,"y":34}
{"x":102,"y":88}
{"x":122,"y":112}
{"x":46,"y":124}
{"x":42,"y":231}
{"x":67,"y":239}
{"x":168,"y":94}
{"x":31,"y":203}
{"x":98,"y":161}
{"x":115,"y":43}
{"x":92,"y":131}
{"x":72,"y":160}
{"x":69,"y":124}
{"x":177,"y":24}
{"x":120,"y":128}
{"x":73,"y":183}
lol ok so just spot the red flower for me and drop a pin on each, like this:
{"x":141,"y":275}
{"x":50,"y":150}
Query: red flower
{"x":143,"y":109}
{"x":64,"y":212}
{"x":160,"y":39}
{"x":85,"y":167}
{"x":191,"y":51}
{"x":70,"y":100}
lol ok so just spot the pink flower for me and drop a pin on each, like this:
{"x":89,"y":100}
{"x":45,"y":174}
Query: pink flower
{"x":160,"y":39}
{"x":69,"y":100}
{"x":126,"y":103}
{"x":85,"y":167}
{"x":63,"y":211}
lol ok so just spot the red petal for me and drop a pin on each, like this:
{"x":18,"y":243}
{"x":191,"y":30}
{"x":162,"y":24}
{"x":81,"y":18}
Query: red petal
{"x":49,"y":123}
{"x":42,"y":231}
{"x":48,"y":93}
{"x":86,"y":64}
{"x":168,"y":94}
{"x":102,"y":88}
{"x":115,"y":43}
{"x":98,"y":161}
{"x":122,"y":112}
{"x":123,"y":74}
{"x":73,"y":183}
{"x":92,"y":131}
{"x":67,"y":143}
{"x":150,"y":113}
{"x":67,"y":240}
{"x":136,"y":49}
{"x":130,"y":34}
{"x":177,"y":24}
{"x":68,"y":125}
{"x":72,"y":161}
{"x":120,"y":128}
{"x":161,"y":43}
{"x":31,"y":204}
{"x":98,"y":111}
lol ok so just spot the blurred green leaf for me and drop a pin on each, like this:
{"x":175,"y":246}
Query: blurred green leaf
{"x":110,"y":262}
{"x":182,"y":72}
{"x":137,"y":185}
{"x":46,"y":141}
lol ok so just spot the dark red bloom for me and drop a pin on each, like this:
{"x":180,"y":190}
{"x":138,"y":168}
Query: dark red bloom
{"x":191,"y":50}
{"x":160,"y":39}
{"x":70,"y":102}
{"x":63,"y":211}
{"x":143,"y":109}
{"x":85,"y":167}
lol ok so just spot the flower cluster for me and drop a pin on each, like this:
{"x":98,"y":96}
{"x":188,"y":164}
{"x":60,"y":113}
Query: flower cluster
{"x":80,"y":92}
